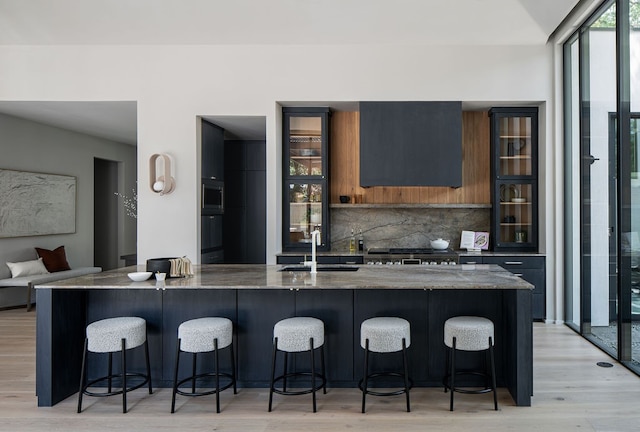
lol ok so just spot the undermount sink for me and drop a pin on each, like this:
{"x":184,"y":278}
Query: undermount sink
{"x":321,"y":268}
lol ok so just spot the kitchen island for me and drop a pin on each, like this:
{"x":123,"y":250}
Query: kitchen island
{"x":255,"y":297}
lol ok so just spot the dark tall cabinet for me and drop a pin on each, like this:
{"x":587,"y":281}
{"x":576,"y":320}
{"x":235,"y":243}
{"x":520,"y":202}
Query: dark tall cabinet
{"x":305,"y":148}
{"x":212,"y":151}
{"x":514,"y":179}
{"x":212,"y":219}
{"x":245,"y":202}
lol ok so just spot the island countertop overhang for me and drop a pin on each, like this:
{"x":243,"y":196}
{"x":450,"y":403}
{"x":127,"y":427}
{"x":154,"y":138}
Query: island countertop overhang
{"x":259,"y":276}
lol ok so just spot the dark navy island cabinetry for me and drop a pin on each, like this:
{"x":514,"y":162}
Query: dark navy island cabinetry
{"x":255,"y":297}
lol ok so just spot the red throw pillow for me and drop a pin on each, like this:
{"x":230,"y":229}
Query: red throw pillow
{"x":55,"y":260}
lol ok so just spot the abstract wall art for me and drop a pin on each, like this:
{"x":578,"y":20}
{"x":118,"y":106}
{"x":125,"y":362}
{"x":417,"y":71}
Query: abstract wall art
{"x":33,"y":204}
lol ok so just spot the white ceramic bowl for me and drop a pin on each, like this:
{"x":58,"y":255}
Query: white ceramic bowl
{"x":139,"y":276}
{"x":439,"y":244}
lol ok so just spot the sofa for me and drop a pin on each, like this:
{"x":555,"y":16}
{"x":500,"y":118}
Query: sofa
{"x":29,"y":281}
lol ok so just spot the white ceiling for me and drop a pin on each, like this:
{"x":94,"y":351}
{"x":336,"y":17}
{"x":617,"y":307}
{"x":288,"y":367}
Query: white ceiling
{"x":230,"y":22}
{"x":158,"y":22}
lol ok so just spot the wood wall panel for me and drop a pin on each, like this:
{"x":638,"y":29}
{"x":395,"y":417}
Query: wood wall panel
{"x":345,"y":170}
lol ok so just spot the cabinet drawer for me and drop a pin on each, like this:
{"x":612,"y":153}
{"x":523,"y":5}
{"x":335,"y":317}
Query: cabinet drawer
{"x":289,"y":259}
{"x":515,"y":262}
{"x":471,"y":260}
{"x":352,"y":259}
{"x":322,"y":259}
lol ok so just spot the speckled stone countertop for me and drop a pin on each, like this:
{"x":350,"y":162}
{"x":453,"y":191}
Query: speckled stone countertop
{"x":258,"y":276}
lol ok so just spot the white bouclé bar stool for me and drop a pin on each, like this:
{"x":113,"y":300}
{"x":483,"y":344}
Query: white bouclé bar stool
{"x":108,"y":336}
{"x":203,"y":335}
{"x":297,"y":335}
{"x":469,"y":333}
{"x":385,"y":335}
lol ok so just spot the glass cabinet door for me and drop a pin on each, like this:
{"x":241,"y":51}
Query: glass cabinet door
{"x":305,"y":146}
{"x":305,"y":180}
{"x":515,"y":146}
{"x":516,"y":213}
{"x":305,"y":211}
{"x":514,"y":178}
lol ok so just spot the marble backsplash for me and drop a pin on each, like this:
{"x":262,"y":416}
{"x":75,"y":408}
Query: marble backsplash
{"x":404,"y":227}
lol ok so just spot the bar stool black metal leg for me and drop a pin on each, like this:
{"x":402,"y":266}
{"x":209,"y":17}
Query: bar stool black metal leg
{"x":124,"y":376}
{"x":175,"y":379}
{"x":193,"y":372}
{"x":146,"y":359}
{"x":493,"y":375}
{"x":82,"y":375}
{"x":217,"y":360}
{"x":284,"y":371}
{"x":453,"y":374}
{"x":406,"y":373}
{"x":447,"y":369}
{"x":273,"y":371}
{"x":324,"y":375}
{"x":233,"y":369}
{"x":109,"y":371}
{"x":366,"y":374}
{"x":313,"y":375}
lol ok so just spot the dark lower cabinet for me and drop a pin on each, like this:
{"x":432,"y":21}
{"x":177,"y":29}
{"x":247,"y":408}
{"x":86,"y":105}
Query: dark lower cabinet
{"x":335,"y":309}
{"x":143,"y":303}
{"x":322,"y":259}
{"x":255,"y":329}
{"x":444,"y":305}
{"x":410,"y":305}
{"x":260,"y":310}
{"x":211,"y":303}
{"x":528,"y":267}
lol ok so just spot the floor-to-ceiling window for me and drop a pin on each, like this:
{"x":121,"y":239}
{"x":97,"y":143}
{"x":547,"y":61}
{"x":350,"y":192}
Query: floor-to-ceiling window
{"x":572,"y":183}
{"x":634,"y":151}
{"x":602,"y":180}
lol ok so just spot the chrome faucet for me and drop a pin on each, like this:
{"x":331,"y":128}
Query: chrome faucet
{"x":315,"y":240}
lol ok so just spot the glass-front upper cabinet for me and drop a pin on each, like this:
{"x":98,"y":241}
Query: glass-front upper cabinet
{"x":514,"y":179}
{"x":305,"y":177}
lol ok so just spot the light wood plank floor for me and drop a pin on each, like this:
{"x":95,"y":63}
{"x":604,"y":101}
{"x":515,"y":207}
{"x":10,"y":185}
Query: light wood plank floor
{"x":571,"y":393}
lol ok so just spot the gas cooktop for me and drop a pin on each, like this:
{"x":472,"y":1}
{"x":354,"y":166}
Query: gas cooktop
{"x":424,"y":256}
{"x":408,"y":251}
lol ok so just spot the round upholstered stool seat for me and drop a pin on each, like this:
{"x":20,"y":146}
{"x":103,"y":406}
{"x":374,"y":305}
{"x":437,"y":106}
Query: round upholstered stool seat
{"x":294,"y":336}
{"x":203,"y":335}
{"x":385,"y":335}
{"x":108,"y":336}
{"x":197,"y":335}
{"x":472,"y":333}
{"x":469,"y":333}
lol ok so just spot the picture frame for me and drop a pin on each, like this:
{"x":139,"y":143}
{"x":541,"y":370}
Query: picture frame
{"x":34,"y":204}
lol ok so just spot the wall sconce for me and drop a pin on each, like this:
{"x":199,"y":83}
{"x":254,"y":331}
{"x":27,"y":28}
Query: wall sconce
{"x":164,"y":183}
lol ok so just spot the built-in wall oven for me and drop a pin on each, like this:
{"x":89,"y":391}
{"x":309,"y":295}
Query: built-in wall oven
{"x":212,"y":197}
{"x":212,"y":221}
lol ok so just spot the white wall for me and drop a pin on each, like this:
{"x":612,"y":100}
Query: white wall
{"x":174,"y":84}
{"x":30,"y":146}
